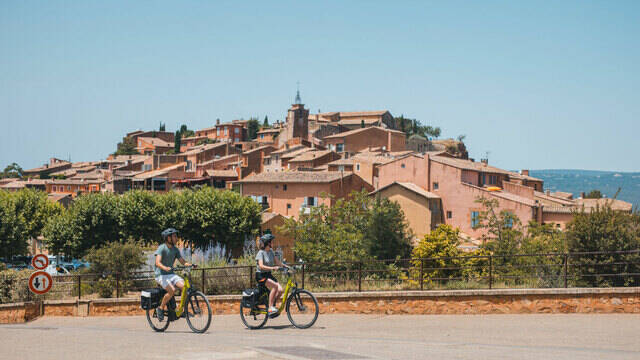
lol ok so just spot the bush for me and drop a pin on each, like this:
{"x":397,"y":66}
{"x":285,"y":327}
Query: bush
{"x":14,"y":287}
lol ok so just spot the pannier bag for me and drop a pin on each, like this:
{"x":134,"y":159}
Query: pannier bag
{"x":151,"y":298}
{"x":250,"y":297}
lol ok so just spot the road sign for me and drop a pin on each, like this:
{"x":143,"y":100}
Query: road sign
{"x":40,"y":282}
{"x":40,"y":262}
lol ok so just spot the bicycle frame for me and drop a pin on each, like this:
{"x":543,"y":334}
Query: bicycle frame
{"x":287,"y":291}
{"x":183,"y":297}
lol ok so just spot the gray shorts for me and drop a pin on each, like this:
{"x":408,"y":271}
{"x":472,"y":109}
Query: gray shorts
{"x":165,"y":280}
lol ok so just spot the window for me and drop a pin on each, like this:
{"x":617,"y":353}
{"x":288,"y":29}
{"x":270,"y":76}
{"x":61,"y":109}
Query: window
{"x":55,"y":188}
{"x":288,"y":206}
{"x":218,"y":132}
{"x":508,"y":220}
{"x":402,"y":166}
{"x":226,"y":130}
{"x":475,"y":219}
{"x":284,"y":187}
{"x":68,"y":187}
{"x":339,"y":147}
{"x":449,"y":214}
{"x":340,"y":167}
{"x":237,"y":139}
{"x":237,"y":131}
{"x":357,"y":167}
{"x":310,"y":201}
{"x":483,"y":179}
{"x":261,"y":136}
{"x":435,"y":186}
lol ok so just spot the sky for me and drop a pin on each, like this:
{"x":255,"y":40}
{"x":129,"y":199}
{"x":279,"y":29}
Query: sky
{"x":535,"y":84}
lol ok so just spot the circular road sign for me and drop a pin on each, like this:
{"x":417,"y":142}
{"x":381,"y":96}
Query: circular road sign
{"x":40,"y":282}
{"x":40,"y":262}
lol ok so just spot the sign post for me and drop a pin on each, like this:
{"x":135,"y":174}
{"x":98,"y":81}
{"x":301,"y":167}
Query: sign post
{"x":40,"y":282}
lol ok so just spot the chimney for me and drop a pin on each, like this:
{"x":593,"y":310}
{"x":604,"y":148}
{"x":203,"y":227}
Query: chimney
{"x":217,"y":121}
{"x":548,"y":192}
{"x":485,"y":162}
{"x":524,"y":172}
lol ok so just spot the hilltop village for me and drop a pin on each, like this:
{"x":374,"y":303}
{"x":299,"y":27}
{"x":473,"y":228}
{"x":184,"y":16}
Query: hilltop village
{"x":290,"y":164}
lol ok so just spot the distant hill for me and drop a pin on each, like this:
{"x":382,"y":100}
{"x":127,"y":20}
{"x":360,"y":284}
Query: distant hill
{"x":608,"y":182}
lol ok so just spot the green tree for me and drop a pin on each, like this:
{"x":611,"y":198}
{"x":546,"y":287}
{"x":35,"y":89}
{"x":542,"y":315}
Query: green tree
{"x":139,"y":216}
{"x":362,"y":123}
{"x":594,"y":194}
{"x":162,"y":127}
{"x":177,"y":140}
{"x":503,"y":233}
{"x":604,"y":230}
{"x":384,"y":241}
{"x":116,"y":257}
{"x":12,"y":227}
{"x":12,"y":170}
{"x":439,"y":259}
{"x":265,"y":123}
{"x":252,"y":128}
{"x":126,"y":147}
{"x":34,"y":208}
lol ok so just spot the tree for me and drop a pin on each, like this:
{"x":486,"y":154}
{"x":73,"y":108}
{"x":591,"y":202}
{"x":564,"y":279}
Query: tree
{"x":185,"y":132}
{"x":594,"y":194}
{"x":116,"y":257}
{"x":252,"y":128}
{"x":503,"y":235}
{"x":604,"y":230}
{"x":162,"y":127}
{"x":127,"y":147}
{"x":385,"y":241}
{"x":362,"y":123}
{"x":12,"y":227}
{"x":265,"y":123}
{"x":439,"y":259}
{"x":177,"y":141}
{"x":138,"y":216}
{"x":12,"y":170}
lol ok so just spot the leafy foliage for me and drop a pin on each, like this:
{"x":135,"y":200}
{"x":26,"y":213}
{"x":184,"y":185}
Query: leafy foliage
{"x":12,"y":170}
{"x":252,"y":128}
{"x":126,"y":147}
{"x":594,"y":194}
{"x":414,"y":127}
{"x":116,"y":257}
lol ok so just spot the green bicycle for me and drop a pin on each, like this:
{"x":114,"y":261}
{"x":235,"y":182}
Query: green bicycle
{"x":301,"y":305}
{"x":194,"y":306}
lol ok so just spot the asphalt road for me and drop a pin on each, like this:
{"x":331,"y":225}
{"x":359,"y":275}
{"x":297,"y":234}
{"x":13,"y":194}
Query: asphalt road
{"x":332,"y":337}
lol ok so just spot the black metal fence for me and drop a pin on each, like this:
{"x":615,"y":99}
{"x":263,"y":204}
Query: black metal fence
{"x":552,"y":270}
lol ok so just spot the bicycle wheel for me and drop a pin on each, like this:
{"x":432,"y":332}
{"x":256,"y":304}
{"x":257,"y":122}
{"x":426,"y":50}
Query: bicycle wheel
{"x":198,"y":312}
{"x":155,"y":323}
{"x":302,"y":309}
{"x":254,"y":317}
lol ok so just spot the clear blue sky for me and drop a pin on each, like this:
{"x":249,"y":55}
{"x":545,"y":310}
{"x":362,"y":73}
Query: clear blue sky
{"x":552,"y":84}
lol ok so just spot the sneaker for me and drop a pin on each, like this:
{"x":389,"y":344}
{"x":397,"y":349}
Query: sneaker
{"x":160,"y":314}
{"x":273,"y":310}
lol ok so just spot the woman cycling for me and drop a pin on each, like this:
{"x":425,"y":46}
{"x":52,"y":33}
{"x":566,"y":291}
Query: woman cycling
{"x":267,"y":262}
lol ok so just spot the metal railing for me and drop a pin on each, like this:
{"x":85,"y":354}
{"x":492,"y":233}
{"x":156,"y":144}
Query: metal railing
{"x":547,"y":270}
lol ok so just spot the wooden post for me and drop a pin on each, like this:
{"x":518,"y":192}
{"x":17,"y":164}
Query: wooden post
{"x":566,"y":262}
{"x":79,"y":286}
{"x":250,"y":276}
{"x":203,"y":290}
{"x":117,"y":285}
{"x":303,"y":275}
{"x":359,"y":276}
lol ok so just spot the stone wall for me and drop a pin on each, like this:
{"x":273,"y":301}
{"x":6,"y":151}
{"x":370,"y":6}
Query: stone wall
{"x":472,"y":302}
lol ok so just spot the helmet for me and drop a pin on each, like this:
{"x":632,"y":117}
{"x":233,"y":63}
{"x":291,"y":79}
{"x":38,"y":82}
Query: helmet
{"x":266,"y":239}
{"x":168,"y":232}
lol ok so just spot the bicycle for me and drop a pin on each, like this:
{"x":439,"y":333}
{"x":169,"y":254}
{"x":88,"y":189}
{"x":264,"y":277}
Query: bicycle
{"x":194,"y":306}
{"x":301,"y":306}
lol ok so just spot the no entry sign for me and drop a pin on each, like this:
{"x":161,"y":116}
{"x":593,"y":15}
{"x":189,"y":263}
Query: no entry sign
{"x":40,"y":262}
{"x":40,"y":282}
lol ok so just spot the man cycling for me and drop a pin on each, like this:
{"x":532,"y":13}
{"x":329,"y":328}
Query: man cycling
{"x":166,"y":255}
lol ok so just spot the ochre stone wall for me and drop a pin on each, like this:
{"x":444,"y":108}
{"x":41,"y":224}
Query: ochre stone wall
{"x":471,"y":302}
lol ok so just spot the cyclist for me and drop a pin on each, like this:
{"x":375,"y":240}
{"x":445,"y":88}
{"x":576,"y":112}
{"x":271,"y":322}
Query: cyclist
{"x":166,"y":255}
{"x":266,"y":262}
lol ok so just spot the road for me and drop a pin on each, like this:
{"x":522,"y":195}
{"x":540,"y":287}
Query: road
{"x":575,"y":336}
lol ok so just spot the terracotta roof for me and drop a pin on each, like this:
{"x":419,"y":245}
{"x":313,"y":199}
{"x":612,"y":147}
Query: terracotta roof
{"x":156,"y":141}
{"x":159,"y":172}
{"x":259,"y":148}
{"x":222,"y":158}
{"x":559,"y":209}
{"x":349,"y":161}
{"x":67,"y":172}
{"x":357,"y":131}
{"x":362,"y":113}
{"x":296,"y":177}
{"x":37,"y":181}
{"x":47,"y":167}
{"x":202,"y":148}
{"x":295,"y":153}
{"x":505,"y":195}
{"x":553,"y":199}
{"x":75,"y":182}
{"x":358,"y":121}
{"x":411,"y":187}
{"x":469,"y":165}
{"x":18,"y":184}
{"x":57,"y":197}
{"x":122,"y":158}
{"x":615,"y":204}
{"x":193,"y":138}
{"x":284,"y":150}
{"x":84,"y":164}
{"x":268,"y":216}
{"x":8,"y":180}
{"x":311,"y":155}
{"x":96,"y":174}
{"x":222,"y":173}
{"x":562,"y":195}
{"x":271,"y":130}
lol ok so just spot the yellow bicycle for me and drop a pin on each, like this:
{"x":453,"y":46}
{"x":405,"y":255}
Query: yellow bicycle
{"x":301,"y":305}
{"x":194,"y":306}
